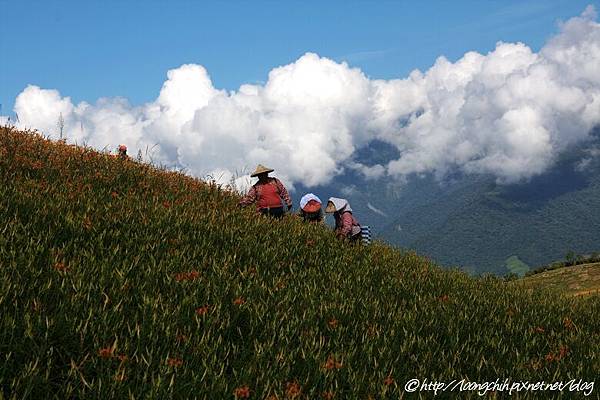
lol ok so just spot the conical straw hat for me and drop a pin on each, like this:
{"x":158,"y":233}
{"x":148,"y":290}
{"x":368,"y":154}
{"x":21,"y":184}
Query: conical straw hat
{"x":261,"y":169}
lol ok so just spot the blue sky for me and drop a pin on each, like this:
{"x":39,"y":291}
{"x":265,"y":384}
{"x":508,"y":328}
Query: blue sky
{"x":92,"y":49}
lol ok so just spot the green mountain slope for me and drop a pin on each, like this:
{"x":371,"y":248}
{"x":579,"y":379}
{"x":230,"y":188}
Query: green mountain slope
{"x":119,"y":280}
{"x":477,"y":224}
{"x":485,"y":224}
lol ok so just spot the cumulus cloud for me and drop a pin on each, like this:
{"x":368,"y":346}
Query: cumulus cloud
{"x":507,"y":113}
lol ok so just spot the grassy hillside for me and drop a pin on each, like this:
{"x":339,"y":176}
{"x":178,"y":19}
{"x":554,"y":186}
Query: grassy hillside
{"x":119,"y":280}
{"x":575,"y":280}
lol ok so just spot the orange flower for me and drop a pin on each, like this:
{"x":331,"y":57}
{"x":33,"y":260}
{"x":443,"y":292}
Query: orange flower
{"x":166,"y":204}
{"x":37,"y":165}
{"x":563,"y":351}
{"x":114,"y":195}
{"x":568,"y":323}
{"x":444,"y":299}
{"x":174,"y":362}
{"x":181,"y":337}
{"x":388,"y":381}
{"x":292,"y":390}
{"x":539,"y":329}
{"x":333,"y":323}
{"x":332,"y":363}
{"x":243,"y":392}
{"x":187,"y":276}
{"x":328,"y":395}
{"x":87,"y":224}
{"x":107,"y":352}
{"x":239,"y":301}
{"x":202,"y":310}
{"x":179,"y":277}
{"x":60,"y":267}
{"x":550,"y":357}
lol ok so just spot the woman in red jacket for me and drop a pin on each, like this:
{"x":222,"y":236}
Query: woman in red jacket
{"x":267,"y":193}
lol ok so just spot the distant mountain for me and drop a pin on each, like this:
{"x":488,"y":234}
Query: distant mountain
{"x":477,"y":224}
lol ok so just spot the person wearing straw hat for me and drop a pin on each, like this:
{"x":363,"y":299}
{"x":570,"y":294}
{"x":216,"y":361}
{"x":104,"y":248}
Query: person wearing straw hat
{"x":310,"y":208}
{"x":267,"y":193}
{"x":346,"y":226}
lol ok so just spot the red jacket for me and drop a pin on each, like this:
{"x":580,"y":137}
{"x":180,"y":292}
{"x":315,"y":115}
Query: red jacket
{"x":256,"y":191}
{"x":345,"y":224}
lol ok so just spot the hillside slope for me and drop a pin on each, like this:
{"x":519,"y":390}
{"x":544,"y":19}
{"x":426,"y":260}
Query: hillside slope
{"x":119,"y":280}
{"x":575,"y":280}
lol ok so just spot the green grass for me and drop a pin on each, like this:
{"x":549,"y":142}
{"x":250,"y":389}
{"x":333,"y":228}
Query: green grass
{"x":119,"y":280}
{"x":577,"y":280}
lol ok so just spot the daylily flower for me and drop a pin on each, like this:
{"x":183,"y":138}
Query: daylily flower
{"x":202,"y":310}
{"x":106,"y":352}
{"x":239,"y":301}
{"x":292,"y":389}
{"x":243,"y":392}
{"x":174,"y":362}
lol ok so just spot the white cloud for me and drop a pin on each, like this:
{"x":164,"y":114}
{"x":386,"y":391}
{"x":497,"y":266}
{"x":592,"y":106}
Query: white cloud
{"x":507,"y":113}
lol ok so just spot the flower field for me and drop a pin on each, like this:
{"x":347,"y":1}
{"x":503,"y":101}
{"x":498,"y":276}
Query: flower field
{"x":122,"y":280}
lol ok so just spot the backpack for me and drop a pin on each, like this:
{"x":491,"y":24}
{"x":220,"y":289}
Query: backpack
{"x":365,"y":233}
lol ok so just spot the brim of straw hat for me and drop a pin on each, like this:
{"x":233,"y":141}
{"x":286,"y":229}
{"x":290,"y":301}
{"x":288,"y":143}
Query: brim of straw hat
{"x":261,"y":169}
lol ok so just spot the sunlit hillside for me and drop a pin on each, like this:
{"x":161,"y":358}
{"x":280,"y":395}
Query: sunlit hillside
{"x":577,"y":280}
{"x":121,"y":280}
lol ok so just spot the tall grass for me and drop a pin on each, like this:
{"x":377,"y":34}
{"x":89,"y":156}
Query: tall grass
{"x":118,"y":280}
